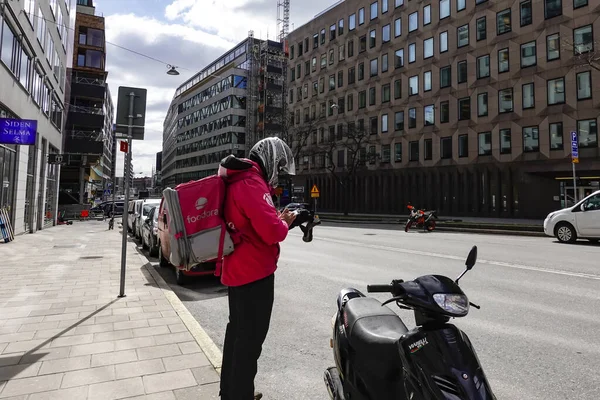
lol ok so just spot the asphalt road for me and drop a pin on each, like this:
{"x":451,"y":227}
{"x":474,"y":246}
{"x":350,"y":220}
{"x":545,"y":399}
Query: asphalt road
{"x":537,"y":333}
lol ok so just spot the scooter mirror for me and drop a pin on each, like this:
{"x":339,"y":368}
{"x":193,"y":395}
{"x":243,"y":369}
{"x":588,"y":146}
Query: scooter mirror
{"x":471,"y":258}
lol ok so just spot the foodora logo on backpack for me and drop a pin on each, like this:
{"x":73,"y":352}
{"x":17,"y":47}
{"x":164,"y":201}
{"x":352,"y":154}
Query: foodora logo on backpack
{"x":200,"y":204}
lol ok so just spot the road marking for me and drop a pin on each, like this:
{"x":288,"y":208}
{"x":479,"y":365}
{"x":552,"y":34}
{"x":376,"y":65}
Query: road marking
{"x":451,"y":257}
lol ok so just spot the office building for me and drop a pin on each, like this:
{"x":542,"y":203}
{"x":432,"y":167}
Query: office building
{"x":88,"y":135}
{"x":35,"y":47}
{"x":465,"y":106}
{"x":225,"y":108}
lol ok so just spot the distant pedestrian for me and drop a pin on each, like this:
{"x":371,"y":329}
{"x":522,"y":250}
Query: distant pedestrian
{"x":257,"y":228}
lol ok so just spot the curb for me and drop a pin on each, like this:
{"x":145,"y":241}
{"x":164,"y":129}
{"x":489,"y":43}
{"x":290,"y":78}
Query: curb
{"x":490,"y":231}
{"x":206,"y":344}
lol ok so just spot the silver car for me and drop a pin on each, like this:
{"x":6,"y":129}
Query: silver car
{"x":145,"y":207}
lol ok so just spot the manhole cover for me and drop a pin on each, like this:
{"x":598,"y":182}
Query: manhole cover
{"x":370,"y":234}
{"x":90,"y":257}
{"x":65,"y":246}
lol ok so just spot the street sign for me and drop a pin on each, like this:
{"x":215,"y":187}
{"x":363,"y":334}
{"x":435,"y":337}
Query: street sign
{"x":574,"y":148}
{"x":135,"y":108}
{"x":298,"y":189}
{"x":56,"y":159}
{"x":124,"y":146}
{"x":314,"y":192}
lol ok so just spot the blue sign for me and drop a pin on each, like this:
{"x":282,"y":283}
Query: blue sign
{"x":574,"y":145}
{"x":18,"y":131}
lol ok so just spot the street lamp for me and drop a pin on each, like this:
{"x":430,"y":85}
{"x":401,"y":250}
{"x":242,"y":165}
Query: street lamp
{"x":172,"y":70}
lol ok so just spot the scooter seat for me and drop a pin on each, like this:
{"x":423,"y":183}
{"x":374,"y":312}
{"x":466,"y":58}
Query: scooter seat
{"x":373,"y":328}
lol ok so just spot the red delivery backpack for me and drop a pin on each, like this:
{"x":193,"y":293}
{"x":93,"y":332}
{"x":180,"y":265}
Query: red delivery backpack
{"x":197,"y":228}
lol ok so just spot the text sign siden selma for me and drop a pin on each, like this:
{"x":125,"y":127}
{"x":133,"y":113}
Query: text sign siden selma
{"x":18,"y":131}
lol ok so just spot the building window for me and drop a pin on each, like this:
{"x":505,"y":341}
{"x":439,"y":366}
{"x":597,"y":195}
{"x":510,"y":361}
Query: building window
{"x":362,"y":44}
{"x":399,"y":121}
{"x":384,"y":123}
{"x":583,"y":39}
{"x":315,"y":90}
{"x":427,"y":81}
{"x":385,"y":33}
{"x":412,"y":118}
{"x":463,"y":145}
{"x":526,"y":13}
{"x":553,"y":47}
{"x":481,"y":29}
{"x":587,"y":133}
{"x":385,"y":93}
{"x":483,"y":66}
{"x":505,"y":141}
{"x":428,"y":144}
{"x":429,"y":115}
{"x":531,"y":139}
{"x":351,"y":75}
{"x":398,"y":152}
{"x":90,"y":58}
{"x":340,"y":27}
{"x":314,"y":64}
{"x":482,"y":105}
{"x":374,"y":67}
{"x":556,"y":136}
{"x":372,"y":96}
{"x":361,"y":16}
{"x":350,"y":102}
{"x":444,"y":42}
{"x":462,"y":72}
{"x":398,"y":89}
{"x":331,"y":57}
{"x":464,"y":109}
{"x":398,"y":3}
{"x":485,"y":143}
{"x":361,"y":71}
{"x":413,"y":21}
{"x":374,"y":128}
{"x":446,"y":76}
{"x":91,"y":37}
{"x":446,"y":147}
{"x":350,"y":48}
{"x":384,"y":6}
{"x":322,"y":36}
{"x":331,"y":82}
{"x":321,"y":85}
{"x":323,"y":61}
{"x":413,"y":85}
{"x":462,"y":35}
{"x":428,"y":48}
{"x":340,"y":79}
{"x":413,"y":151}
{"x":412,"y":53}
{"x":503,"y":64}
{"x":503,"y":22}
{"x":427,"y":14}
{"x":300,"y":47}
{"x":352,"y":22}
{"x":384,"y":63}
{"x":579,"y":3}
{"x":10,"y":49}
{"x":556,"y":91}
{"x":373,"y":13}
{"x":399,"y":58}
{"x":332,"y":32}
{"x":584,"y":85}
{"x":505,"y":100}
{"x":528,"y":54}
{"x":461,"y":5}
{"x":444,"y":112}
{"x":342,"y":52}
{"x":307,"y":68}
{"x":372,"y":38}
{"x":315,"y":40}
{"x":528,"y":96}
{"x":552,"y":8}
{"x":444,"y":9}
{"x":385,"y":151}
{"x":362,"y":99}
{"x":397,"y":27}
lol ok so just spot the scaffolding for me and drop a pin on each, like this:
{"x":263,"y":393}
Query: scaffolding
{"x":271,"y":89}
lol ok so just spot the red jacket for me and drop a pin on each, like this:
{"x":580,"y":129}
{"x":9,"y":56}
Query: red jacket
{"x":255,"y":226}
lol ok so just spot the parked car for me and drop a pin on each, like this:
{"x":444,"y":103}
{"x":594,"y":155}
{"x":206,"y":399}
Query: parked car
{"x":581,"y":221}
{"x":106,"y":208}
{"x":144,"y":207}
{"x":164,"y":251}
{"x":150,"y":232}
{"x":130,"y":215}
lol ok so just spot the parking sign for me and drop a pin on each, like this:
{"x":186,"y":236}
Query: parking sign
{"x":574,"y":148}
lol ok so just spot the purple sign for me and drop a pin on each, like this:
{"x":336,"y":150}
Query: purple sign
{"x":18,"y":131}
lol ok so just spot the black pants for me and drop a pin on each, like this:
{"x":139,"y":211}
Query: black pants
{"x":250,"y":309}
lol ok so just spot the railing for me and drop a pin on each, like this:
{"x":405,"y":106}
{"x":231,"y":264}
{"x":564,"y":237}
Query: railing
{"x":90,"y":81}
{"x":77,"y":134}
{"x":89,"y":110}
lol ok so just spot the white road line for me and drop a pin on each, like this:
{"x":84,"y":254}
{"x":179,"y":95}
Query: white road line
{"x":451,"y":257}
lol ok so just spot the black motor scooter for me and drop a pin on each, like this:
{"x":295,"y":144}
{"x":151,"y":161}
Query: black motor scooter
{"x":378,"y":358}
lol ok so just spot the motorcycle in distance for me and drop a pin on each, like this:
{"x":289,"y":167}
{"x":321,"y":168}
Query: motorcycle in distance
{"x":420,"y":219}
{"x":378,"y":358}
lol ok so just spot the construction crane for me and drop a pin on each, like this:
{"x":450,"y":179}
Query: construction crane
{"x":283,"y":19}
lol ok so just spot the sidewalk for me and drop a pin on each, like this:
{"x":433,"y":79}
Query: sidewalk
{"x":64,"y":334}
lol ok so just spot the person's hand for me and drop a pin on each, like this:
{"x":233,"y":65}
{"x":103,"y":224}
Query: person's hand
{"x":287,"y":216}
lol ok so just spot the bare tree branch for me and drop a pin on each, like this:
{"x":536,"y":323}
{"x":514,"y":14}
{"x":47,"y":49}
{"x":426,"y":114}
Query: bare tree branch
{"x":584,"y":54}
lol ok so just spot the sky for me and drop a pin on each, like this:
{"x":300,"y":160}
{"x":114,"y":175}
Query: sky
{"x":188,"y":34}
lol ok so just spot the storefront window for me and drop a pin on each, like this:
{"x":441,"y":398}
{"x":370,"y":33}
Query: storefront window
{"x":8,"y":160}
{"x":51,"y":178}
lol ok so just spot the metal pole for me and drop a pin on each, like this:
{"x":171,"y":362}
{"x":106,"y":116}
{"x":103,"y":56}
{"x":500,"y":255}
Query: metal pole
{"x":126,"y":178}
{"x":574,"y":184}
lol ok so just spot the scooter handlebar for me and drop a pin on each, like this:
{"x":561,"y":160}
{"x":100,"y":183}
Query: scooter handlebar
{"x":379,"y":288}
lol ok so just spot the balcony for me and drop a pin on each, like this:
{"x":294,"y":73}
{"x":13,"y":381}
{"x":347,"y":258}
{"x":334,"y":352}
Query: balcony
{"x":88,"y":87}
{"x":81,"y":115}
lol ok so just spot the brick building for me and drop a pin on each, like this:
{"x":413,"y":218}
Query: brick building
{"x":466,"y":106}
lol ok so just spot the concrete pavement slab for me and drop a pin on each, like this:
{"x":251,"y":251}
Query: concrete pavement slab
{"x":64,"y":333}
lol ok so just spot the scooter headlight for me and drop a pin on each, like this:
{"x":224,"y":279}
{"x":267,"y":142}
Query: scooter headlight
{"x":454,"y":304}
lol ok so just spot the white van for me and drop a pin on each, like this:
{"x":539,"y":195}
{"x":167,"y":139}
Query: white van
{"x":581,"y":221}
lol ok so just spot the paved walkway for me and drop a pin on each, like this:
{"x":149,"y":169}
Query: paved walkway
{"x":64,"y":334}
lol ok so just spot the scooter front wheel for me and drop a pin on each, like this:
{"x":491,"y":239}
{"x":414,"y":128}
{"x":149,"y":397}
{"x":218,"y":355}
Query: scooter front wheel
{"x":431,"y":226}
{"x":407,"y":226}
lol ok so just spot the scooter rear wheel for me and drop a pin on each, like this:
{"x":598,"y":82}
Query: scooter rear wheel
{"x":431,"y":226}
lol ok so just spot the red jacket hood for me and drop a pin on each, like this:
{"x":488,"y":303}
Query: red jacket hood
{"x":233,"y":169}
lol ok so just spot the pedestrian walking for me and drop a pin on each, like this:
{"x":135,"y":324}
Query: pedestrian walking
{"x":257,"y":228}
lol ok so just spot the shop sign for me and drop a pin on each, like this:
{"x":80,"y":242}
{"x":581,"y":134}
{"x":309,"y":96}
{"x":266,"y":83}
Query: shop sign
{"x":18,"y":131}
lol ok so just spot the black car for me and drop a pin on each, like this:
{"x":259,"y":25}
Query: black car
{"x":106,"y":208}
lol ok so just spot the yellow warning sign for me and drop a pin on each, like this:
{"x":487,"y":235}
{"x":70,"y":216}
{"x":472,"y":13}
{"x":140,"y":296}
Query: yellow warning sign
{"x":314,"y":192}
